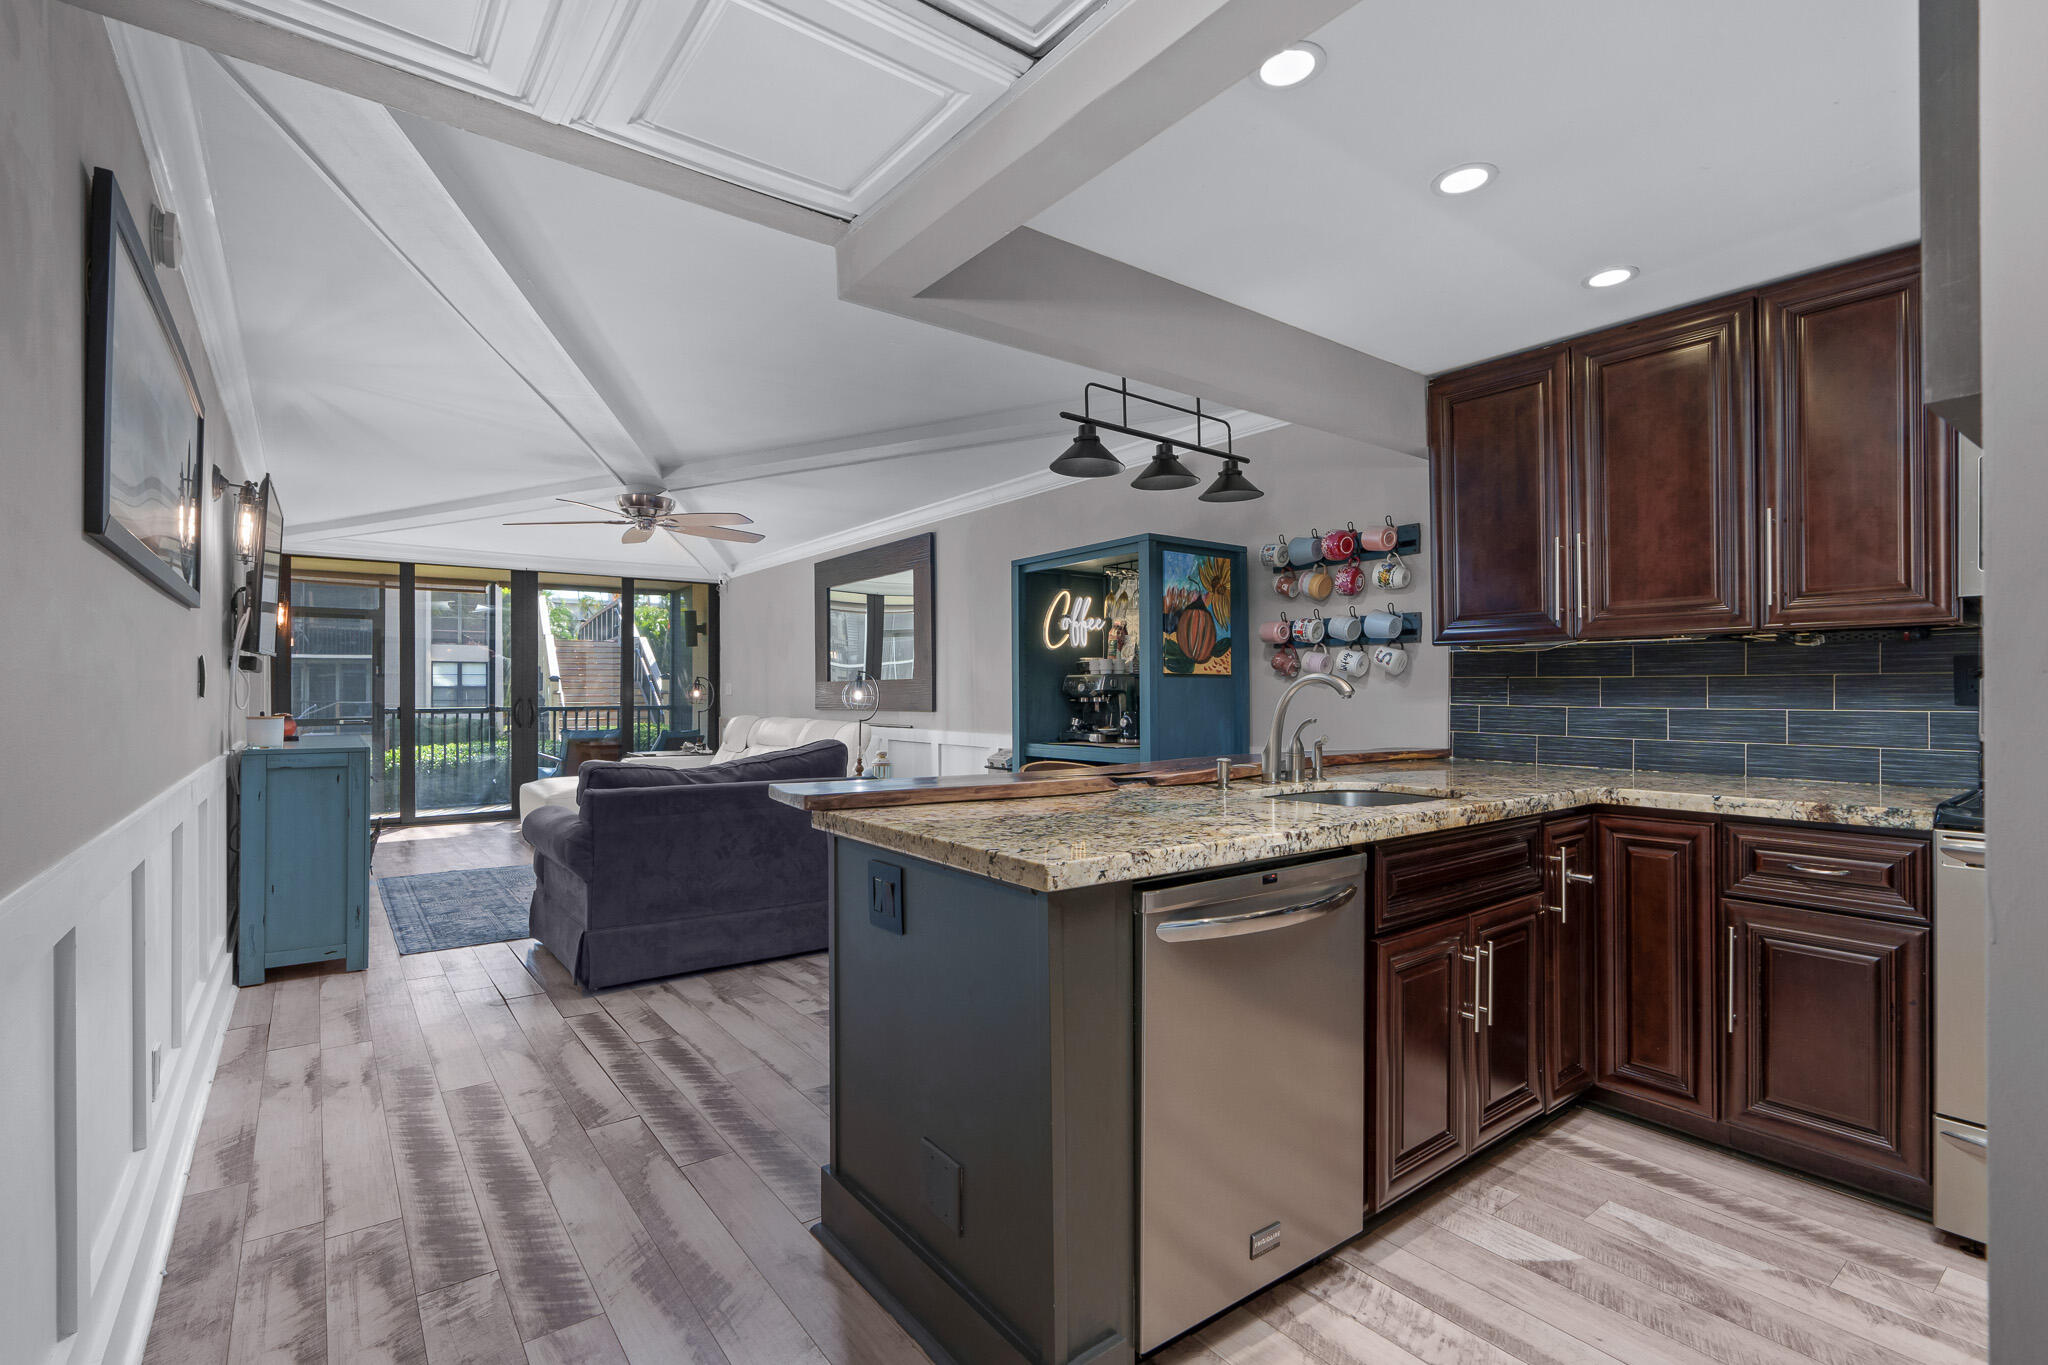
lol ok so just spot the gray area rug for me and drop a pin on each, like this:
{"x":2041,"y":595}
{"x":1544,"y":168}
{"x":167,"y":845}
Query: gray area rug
{"x":434,"y":910}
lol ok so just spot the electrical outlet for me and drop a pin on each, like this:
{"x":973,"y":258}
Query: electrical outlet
{"x":944,"y":1184}
{"x":1969,"y":679}
{"x":885,"y":896}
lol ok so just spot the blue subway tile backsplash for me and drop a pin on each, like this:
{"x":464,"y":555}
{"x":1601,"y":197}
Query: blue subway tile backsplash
{"x":1845,"y":710}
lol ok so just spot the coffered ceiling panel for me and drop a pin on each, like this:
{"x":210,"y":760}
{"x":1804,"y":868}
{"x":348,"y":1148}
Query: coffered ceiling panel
{"x":1033,"y":25}
{"x":826,"y":103}
{"x":819,"y":101}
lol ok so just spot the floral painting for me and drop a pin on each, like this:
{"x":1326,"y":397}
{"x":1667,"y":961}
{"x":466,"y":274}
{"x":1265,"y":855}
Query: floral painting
{"x":1195,"y":614}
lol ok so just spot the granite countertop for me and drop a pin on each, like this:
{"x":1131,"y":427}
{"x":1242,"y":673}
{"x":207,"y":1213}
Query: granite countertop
{"x":1061,"y":842}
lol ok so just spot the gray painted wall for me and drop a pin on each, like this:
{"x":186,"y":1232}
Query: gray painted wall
{"x":1311,"y":479}
{"x":99,"y":671}
{"x":2013,"y":46}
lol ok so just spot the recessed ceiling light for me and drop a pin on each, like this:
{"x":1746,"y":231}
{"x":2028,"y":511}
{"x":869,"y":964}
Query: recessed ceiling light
{"x":1291,"y":65}
{"x":1608,"y":278}
{"x":1466,"y":178}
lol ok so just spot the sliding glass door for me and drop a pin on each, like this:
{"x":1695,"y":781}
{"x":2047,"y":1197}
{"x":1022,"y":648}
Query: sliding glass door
{"x":670,"y":626}
{"x":469,"y":682}
{"x":461,"y":731}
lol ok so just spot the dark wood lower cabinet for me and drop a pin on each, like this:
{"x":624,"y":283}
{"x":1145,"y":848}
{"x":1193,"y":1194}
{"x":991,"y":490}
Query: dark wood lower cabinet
{"x":1507,"y":1044}
{"x":1422,"y":985}
{"x":1796,"y":1033}
{"x":1657,"y":962}
{"x":1570,"y":990}
{"x":1826,"y":1028}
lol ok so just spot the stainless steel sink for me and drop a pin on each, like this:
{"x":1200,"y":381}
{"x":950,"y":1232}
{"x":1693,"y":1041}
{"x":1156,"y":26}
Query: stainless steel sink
{"x":1351,"y":796}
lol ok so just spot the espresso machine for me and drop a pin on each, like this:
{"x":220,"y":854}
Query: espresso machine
{"x":1102,"y":706}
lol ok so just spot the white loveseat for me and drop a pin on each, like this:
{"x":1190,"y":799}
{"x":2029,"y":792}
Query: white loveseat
{"x":744,"y":736}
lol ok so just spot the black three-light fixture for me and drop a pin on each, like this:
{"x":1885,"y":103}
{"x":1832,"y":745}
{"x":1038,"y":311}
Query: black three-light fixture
{"x":1089,"y":458}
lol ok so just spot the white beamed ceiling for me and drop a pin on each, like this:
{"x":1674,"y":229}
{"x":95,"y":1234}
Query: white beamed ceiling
{"x":443,"y":334}
{"x":826,"y":103}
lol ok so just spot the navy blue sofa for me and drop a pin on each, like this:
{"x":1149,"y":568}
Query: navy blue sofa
{"x":664,"y":870}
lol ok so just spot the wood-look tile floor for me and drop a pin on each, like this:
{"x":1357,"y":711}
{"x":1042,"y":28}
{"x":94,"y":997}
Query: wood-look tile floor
{"x":460,"y":1157}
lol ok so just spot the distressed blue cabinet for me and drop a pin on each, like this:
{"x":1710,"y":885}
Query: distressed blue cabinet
{"x":305,"y":841}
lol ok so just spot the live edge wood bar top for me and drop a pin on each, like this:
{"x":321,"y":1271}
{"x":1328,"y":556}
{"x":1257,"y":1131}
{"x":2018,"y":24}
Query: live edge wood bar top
{"x":1135,"y":831}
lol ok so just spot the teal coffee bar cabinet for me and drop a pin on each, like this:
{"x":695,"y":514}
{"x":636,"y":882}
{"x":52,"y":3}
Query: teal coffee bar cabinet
{"x":304,"y":822}
{"x":1131,"y":651}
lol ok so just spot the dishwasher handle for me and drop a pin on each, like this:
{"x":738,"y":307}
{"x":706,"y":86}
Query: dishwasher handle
{"x":1255,"y":921}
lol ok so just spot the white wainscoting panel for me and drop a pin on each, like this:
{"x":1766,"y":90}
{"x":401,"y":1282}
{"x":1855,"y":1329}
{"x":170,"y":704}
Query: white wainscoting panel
{"x":114,"y":991}
{"x":915,"y":752}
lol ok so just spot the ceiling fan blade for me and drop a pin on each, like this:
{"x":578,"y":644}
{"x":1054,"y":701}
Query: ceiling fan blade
{"x":719,"y":533}
{"x":565,"y":523}
{"x":710,"y":518}
{"x":635,"y":534}
{"x":611,"y":511}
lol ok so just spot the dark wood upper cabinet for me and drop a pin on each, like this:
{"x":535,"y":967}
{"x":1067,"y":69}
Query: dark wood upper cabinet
{"x":1827,"y":1043}
{"x":1422,"y":985}
{"x":1497,"y":443}
{"x":1507,"y":1047}
{"x":1658,"y":966}
{"x":1858,"y":480}
{"x":1663,"y":412}
{"x":1755,"y":462}
{"x":1572,"y":914}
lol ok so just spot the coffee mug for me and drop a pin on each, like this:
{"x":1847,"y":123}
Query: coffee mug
{"x":1382,"y":625}
{"x":1392,"y":659}
{"x":1390,"y":573}
{"x":1345,"y":628}
{"x":1353,"y":662}
{"x":1378,"y":538}
{"x":1286,"y":662}
{"x":1348,"y":578}
{"x":1308,"y":630}
{"x":1317,"y":583}
{"x":1277,"y":632}
{"x":1273,"y":554}
{"x":1340,"y":545}
{"x":1287,"y":584}
{"x":1316,"y":661}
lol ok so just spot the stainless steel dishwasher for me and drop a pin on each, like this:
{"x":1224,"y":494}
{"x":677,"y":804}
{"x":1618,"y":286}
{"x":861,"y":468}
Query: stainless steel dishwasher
{"x":1251,"y":1118}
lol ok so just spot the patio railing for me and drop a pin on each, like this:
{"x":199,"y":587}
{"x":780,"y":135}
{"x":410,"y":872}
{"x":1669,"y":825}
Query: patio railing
{"x":464,"y":753}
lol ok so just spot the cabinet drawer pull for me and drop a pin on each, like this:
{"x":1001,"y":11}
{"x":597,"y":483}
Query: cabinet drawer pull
{"x":1810,"y":870}
{"x":1731,"y":978}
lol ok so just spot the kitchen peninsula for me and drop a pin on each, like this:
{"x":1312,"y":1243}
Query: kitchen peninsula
{"x":1044,"y":1121}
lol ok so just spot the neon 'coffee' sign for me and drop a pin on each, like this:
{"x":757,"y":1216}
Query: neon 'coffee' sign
{"x":1068,"y":623}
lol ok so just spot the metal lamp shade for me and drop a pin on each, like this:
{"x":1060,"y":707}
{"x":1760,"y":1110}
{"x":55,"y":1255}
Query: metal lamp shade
{"x":861,"y":694}
{"x":1165,"y":471}
{"x":1087,"y":457}
{"x":1231,"y":486}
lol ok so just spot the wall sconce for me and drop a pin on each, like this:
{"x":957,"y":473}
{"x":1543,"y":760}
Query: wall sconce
{"x":247,"y":498}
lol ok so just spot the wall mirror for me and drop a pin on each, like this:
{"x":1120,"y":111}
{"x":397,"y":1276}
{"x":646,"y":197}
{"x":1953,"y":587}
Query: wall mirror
{"x":874,"y":616}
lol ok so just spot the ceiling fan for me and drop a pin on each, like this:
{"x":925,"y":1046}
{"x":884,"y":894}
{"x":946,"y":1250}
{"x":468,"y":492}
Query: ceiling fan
{"x":642,"y":514}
